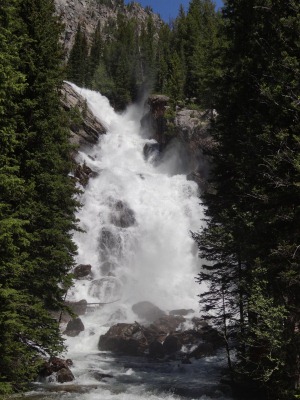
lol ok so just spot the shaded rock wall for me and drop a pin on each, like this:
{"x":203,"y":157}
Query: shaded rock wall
{"x":188,"y":128}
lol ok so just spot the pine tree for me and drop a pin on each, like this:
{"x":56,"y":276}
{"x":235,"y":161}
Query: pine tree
{"x":37,"y":201}
{"x":162,"y":58}
{"x":96,"y":54}
{"x":255,"y":186}
{"x":175,"y":78}
{"x":201,"y":46}
{"x":77,"y":68}
{"x":13,"y":237}
{"x":147,"y":50}
{"x":120,"y":60}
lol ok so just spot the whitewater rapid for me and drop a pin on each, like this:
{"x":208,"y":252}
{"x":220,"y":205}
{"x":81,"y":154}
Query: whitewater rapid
{"x":156,"y":258}
{"x":152,"y":258}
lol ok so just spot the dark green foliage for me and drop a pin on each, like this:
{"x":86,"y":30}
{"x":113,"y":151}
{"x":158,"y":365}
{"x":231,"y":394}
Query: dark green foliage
{"x":253,"y":207}
{"x":78,"y":65}
{"x":163,"y":55}
{"x":147,"y":51}
{"x":96,"y":53}
{"x":201,"y":50}
{"x":132,"y":57}
{"x":36,"y":196}
{"x":120,"y":71}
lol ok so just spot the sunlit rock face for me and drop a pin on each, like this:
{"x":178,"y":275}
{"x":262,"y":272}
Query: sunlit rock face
{"x":84,"y":126}
{"x":91,"y":12}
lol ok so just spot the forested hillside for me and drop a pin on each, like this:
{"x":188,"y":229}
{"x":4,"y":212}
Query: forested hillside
{"x":243,"y":62}
{"x":128,"y":58}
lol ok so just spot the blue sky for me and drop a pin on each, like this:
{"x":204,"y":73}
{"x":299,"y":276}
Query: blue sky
{"x":167,"y":8}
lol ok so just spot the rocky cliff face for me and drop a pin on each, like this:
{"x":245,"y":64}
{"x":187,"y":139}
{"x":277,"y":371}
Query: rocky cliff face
{"x":89,"y":12}
{"x":85,"y":129}
{"x":188,"y":128}
{"x":84,"y":126}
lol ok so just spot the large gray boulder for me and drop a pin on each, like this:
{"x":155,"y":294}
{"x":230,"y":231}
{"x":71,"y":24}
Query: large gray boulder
{"x":74,"y":327}
{"x":125,"y":338}
{"x":122,"y":215}
{"x":167,"y":323}
{"x":77,"y":307}
{"x":64,"y":375}
{"x":147,"y":311}
{"x":110,"y":243}
{"x":58,"y":368}
{"x":163,"y":339}
{"x":82,"y":271}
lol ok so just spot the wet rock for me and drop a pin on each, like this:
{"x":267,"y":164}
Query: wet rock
{"x":106,"y":289}
{"x":189,"y":338}
{"x":160,"y":340}
{"x":199,"y":178}
{"x":109,"y":243}
{"x":122,"y":216}
{"x":171,"y":344}
{"x":124,"y":338}
{"x":155,"y":120}
{"x":202,"y":350}
{"x":156,"y":349}
{"x":148,"y":311}
{"x":182,"y":312}
{"x":158,"y":103}
{"x":83,"y":173}
{"x":59,"y":368}
{"x":78,"y":307}
{"x":82,"y":271}
{"x":64,"y":375}
{"x":100,"y":376}
{"x":151,"y":151}
{"x":167,"y":323}
{"x":74,"y":327}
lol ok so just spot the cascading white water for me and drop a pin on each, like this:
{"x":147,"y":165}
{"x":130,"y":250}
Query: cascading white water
{"x":155,"y":257}
{"x":137,"y":219}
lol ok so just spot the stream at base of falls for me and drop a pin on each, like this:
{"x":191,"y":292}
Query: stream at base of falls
{"x":136,"y":218}
{"x":136,"y":378}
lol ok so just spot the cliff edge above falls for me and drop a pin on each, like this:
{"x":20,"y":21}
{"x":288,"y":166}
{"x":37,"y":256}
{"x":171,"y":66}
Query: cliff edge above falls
{"x":185,"y":128}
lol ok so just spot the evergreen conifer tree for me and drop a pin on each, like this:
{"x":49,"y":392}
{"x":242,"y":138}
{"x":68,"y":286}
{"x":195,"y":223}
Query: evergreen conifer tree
{"x":201,"y":44}
{"x":255,"y":192}
{"x":36,"y":203}
{"x":77,"y":68}
{"x":96,"y":55}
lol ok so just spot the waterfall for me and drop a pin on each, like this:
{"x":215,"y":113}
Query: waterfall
{"x":136,"y":218}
